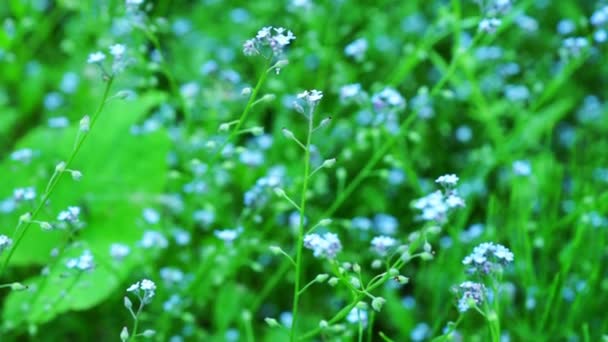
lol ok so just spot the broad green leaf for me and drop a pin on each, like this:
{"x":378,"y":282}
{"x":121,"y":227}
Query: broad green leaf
{"x":123,"y":174}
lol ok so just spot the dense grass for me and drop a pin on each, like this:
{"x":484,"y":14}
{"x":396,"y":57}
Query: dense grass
{"x":200,"y":175}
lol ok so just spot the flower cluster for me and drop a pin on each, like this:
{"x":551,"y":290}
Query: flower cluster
{"x":311,"y":97}
{"x":382,"y":244}
{"x":436,"y":205}
{"x":119,"y":63}
{"x":70,"y":215}
{"x":144,"y":290}
{"x":487,"y":258}
{"x":572,"y":47}
{"x":276,"y":38}
{"x":470,"y":294}
{"x":356,"y":49}
{"x":82,"y":263}
{"x":492,"y":10}
{"x":599,"y":20}
{"x":326,"y":246}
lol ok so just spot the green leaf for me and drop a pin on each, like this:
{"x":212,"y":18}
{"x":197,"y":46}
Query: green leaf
{"x":123,"y":174}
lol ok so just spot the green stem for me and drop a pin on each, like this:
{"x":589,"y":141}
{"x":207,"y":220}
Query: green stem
{"x":55,"y":180}
{"x":133,"y":333}
{"x":241,"y":120}
{"x":300,"y":243}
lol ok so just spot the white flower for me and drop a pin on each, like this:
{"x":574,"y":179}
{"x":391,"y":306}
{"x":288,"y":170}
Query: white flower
{"x":5,"y":242}
{"x":522,"y":168}
{"x":326,"y":246}
{"x":152,"y":239}
{"x":448,"y":180}
{"x":388,"y":99}
{"x":228,"y":235}
{"x":147,"y":286}
{"x":470,"y":294}
{"x":381,"y":244}
{"x":117,"y":50}
{"x":69,"y":215}
{"x":356,"y":49}
{"x":83,"y":263}
{"x":24,"y":194}
{"x":488,"y":257}
{"x":276,"y":41}
{"x":119,"y":251}
{"x":489,"y":25}
{"x":312,"y":97}
{"x":96,"y":57}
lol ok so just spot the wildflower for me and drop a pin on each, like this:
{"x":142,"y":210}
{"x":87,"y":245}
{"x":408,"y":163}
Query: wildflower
{"x":471,"y":294}
{"x":152,"y":239}
{"x":388,"y":98}
{"x":151,"y":216}
{"x":488,"y":258}
{"x":361,"y":223}
{"x":447,"y":181}
{"x":276,"y":38}
{"x":119,"y":251}
{"x":117,"y":50}
{"x":83,"y":263}
{"x":436,"y":205}
{"x":381,"y":244}
{"x":69,"y":215}
{"x":171,"y":275}
{"x":24,"y":194}
{"x":356,"y":49}
{"x":228,"y":235}
{"x":386,"y":224}
{"x":326,"y":246}
{"x":144,"y":289}
{"x":23,"y":155}
{"x":5,"y":242}
{"x":522,"y":168}
{"x":351,"y":92}
{"x":96,"y":57}
{"x":489,"y":25}
{"x":311,"y":97}
{"x":357,"y":315}
{"x":573,"y":46}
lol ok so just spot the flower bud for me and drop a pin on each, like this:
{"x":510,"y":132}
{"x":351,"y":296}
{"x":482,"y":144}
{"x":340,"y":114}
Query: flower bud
{"x":325,"y":121}
{"x":76,"y":175}
{"x":18,"y":287}
{"x":276,"y":250}
{"x":377,"y":303}
{"x":148,"y":333}
{"x":288,"y":134}
{"x":333,"y":281}
{"x":321,"y":278}
{"x":272,"y":322}
{"x":85,"y":124}
{"x":124,"y":334}
{"x":246,"y":91}
{"x":127,"y":302}
{"x":325,"y":222}
{"x":60,"y":167}
{"x":279,"y":192}
{"x":329,"y":163}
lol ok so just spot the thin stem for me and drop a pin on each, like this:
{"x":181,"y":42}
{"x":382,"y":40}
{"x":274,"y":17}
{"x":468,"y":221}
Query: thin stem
{"x":133,"y":333}
{"x":302,"y":290}
{"x":55,"y":180}
{"x":300,"y":242}
{"x":243,"y":117}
